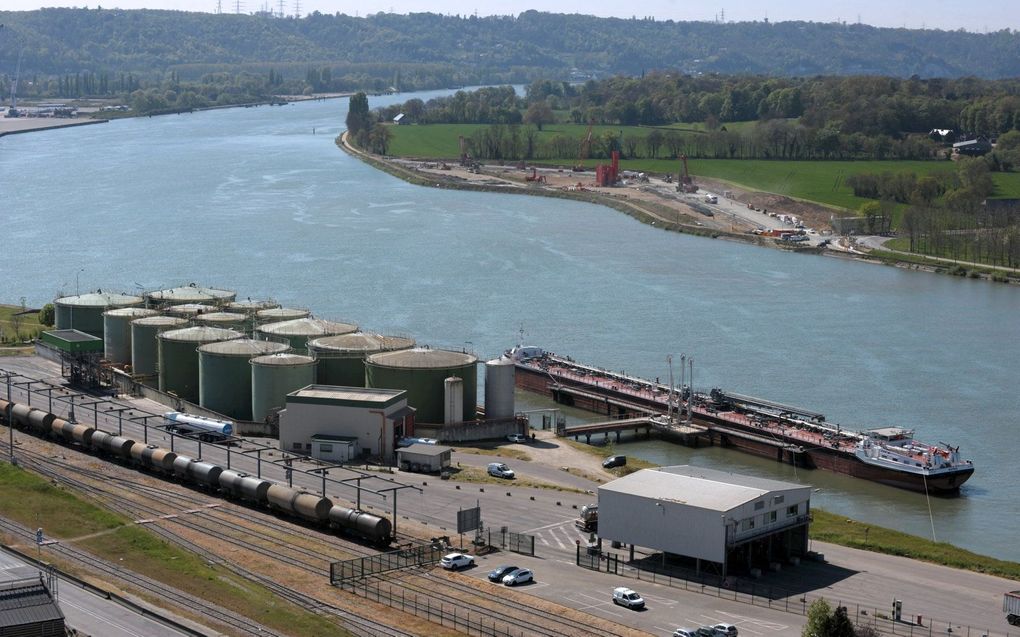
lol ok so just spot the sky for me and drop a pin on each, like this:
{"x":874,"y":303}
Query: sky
{"x":976,"y":15}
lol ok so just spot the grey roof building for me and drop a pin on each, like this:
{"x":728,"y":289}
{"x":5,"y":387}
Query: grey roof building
{"x":727,"y":519}
{"x":27,"y":608}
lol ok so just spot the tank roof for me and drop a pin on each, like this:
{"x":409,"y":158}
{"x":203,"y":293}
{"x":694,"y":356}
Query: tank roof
{"x":190,"y":292}
{"x":422,"y":358}
{"x":100,"y":299}
{"x":307,"y":327}
{"x":226,"y":317}
{"x":502,"y":360}
{"x":158,"y":321}
{"x":283,"y":360}
{"x":353,"y":342}
{"x":192,"y":308}
{"x":249,"y":305}
{"x":200,"y":334}
{"x":242,"y":347}
{"x":137,"y":312}
{"x":278,"y":311}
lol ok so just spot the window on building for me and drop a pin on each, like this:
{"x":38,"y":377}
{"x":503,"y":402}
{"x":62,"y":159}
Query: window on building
{"x":792,"y":510}
{"x":308,"y":446}
{"x":747,"y":524}
{"x":759,"y":505}
{"x":297,"y":446}
{"x":772,"y":516}
{"x":325,"y":448}
{"x":778,"y":499}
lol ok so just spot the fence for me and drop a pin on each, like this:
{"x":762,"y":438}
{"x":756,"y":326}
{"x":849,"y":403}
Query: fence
{"x":782,"y":599}
{"x":359,"y":567}
{"x":447,"y":615}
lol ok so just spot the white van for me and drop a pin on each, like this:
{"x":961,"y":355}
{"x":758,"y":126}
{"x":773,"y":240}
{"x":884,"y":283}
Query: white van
{"x":626,"y":597}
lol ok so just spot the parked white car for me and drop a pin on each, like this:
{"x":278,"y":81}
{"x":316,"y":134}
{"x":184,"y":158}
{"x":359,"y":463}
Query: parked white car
{"x":456,"y":561}
{"x":520,"y":576}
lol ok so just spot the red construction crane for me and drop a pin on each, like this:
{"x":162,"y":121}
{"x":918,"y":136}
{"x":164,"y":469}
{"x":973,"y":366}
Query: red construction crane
{"x":685,"y":183}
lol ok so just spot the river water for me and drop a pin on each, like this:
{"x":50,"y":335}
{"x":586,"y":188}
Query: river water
{"x":260,"y":200}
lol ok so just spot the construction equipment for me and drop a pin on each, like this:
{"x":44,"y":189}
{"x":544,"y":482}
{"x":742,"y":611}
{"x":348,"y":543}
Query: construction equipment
{"x":464,"y":158}
{"x":585,"y":148}
{"x":534,"y":176}
{"x":685,"y":183}
{"x":13,"y":110}
{"x":588,"y":521}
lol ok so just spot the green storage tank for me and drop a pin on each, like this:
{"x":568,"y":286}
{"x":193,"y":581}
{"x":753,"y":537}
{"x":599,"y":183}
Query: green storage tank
{"x":178,"y":358}
{"x":278,"y":314}
{"x":299,"y":331}
{"x":224,"y":374}
{"x":117,"y":333}
{"x":341,"y":358}
{"x":84,"y":312}
{"x":422,"y":373}
{"x":145,"y":345}
{"x":189,"y":294}
{"x":273,"y":377}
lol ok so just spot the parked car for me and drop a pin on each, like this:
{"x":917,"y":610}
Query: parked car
{"x":456,"y":561}
{"x":519,"y":576}
{"x":500,"y":470}
{"x":685,"y":632}
{"x":614,"y":461}
{"x":497,"y":574}
{"x":407,"y":442}
{"x":626,"y":597}
{"x":517,"y":438}
{"x":725,"y":630}
{"x":705,"y":631}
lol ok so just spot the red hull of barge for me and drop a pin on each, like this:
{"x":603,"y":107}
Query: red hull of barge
{"x":605,"y":400}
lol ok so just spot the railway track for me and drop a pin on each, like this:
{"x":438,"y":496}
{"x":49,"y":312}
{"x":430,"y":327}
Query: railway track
{"x":179,"y":598}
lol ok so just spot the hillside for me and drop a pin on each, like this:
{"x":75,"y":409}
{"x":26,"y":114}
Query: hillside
{"x":512,"y":48}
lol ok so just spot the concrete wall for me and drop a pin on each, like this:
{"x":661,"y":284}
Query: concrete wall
{"x":662,"y":525}
{"x":466,"y":432}
{"x":374,"y":431}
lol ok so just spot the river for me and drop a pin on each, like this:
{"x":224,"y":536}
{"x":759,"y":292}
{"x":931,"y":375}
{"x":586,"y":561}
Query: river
{"x":261,"y":201}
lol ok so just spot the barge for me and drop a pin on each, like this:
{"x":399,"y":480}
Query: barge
{"x":888,"y":455}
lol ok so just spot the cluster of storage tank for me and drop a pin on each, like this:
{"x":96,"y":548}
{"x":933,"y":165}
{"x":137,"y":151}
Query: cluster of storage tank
{"x":256,"y":491}
{"x":241,"y":358}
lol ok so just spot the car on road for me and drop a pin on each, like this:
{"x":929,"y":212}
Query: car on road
{"x":500,"y":470}
{"x":519,"y":576}
{"x":497,"y":574}
{"x":614,"y":461}
{"x":517,"y":438}
{"x":685,"y":632}
{"x":705,"y":631}
{"x":725,"y":630}
{"x":626,"y":597}
{"x":456,"y":561}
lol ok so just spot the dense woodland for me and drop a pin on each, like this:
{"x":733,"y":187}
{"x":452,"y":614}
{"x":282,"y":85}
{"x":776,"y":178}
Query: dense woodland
{"x":511,"y":48}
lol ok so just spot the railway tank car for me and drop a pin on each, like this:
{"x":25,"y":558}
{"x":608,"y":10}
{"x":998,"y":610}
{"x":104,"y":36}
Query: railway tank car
{"x":304,"y":505}
{"x":244,"y":486}
{"x":153,"y":457}
{"x":117,"y":446}
{"x":40,"y":421}
{"x":377,"y":529}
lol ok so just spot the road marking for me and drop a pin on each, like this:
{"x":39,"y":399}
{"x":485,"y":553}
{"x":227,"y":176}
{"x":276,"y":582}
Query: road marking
{"x":547,"y":526}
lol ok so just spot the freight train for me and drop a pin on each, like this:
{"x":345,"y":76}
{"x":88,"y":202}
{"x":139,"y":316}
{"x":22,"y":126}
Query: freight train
{"x":258,"y":492}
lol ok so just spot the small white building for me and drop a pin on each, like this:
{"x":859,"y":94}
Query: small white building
{"x":732,"y":520}
{"x":343,"y":423}
{"x":424,"y":458}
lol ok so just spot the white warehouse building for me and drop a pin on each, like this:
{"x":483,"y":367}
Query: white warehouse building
{"x":337,"y":424}
{"x":736,"y":522}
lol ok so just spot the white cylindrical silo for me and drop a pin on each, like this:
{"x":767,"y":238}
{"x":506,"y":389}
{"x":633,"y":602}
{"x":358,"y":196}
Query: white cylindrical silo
{"x":453,"y":388}
{"x":499,"y":388}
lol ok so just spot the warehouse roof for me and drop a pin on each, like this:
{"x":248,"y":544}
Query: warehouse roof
{"x":697,"y":486}
{"x":26,"y":602}
{"x":419,"y":449}
{"x":350,"y":396}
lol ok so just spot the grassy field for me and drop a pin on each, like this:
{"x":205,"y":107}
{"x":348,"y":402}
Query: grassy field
{"x":34,"y":502}
{"x":18,"y":328}
{"x":822,"y":182}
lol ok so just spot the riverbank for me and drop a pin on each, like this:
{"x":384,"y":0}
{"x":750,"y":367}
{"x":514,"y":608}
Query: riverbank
{"x":737,"y":216}
{"x":17,"y":125}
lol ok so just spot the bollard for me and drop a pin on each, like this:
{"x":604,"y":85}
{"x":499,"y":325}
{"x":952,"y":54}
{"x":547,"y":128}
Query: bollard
{"x":508,"y":494}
